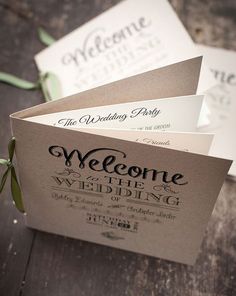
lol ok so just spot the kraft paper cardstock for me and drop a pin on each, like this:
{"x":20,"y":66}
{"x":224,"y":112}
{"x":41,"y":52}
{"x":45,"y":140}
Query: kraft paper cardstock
{"x":132,"y":37}
{"x":221,"y":101}
{"x":129,"y":195}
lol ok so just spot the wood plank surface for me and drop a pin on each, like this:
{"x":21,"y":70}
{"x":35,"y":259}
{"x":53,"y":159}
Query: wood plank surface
{"x":34,"y":263}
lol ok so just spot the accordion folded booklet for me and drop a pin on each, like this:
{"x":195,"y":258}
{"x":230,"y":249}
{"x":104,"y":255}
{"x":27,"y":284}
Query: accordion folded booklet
{"x":122,"y":164}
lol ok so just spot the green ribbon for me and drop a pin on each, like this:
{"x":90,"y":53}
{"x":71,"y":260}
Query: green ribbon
{"x":17,"y":82}
{"x":45,"y":38}
{"x":15,"y":187}
{"x":51,"y":88}
{"x":47,"y":82}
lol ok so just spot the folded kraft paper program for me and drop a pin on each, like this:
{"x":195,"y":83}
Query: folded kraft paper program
{"x":122,"y":164}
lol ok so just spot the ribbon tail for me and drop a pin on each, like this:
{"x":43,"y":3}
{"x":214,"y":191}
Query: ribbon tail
{"x":16,"y":191}
{"x":45,"y":38}
{"x":17,"y":82}
{"x":4,"y":179}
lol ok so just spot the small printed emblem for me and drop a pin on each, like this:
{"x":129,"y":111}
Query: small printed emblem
{"x":111,"y":235}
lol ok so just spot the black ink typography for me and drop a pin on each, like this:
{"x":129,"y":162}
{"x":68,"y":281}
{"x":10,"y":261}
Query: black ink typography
{"x":110,"y":164}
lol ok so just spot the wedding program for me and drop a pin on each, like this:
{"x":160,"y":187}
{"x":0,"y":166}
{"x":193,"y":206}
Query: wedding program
{"x":123,"y":164}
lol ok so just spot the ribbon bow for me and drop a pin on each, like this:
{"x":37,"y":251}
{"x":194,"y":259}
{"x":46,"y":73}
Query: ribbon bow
{"x":15,"y":187}
{"x":49,"y":83}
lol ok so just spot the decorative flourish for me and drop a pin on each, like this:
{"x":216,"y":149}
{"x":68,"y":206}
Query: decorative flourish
{"x":15,"y":187}
{"x":68,"y":172}
{"x":165,"y":187}
{"x":111,"y":235}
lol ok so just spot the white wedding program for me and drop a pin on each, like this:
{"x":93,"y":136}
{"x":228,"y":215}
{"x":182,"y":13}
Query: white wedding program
{"x":132,"y":37}
{"x":221,"y":101}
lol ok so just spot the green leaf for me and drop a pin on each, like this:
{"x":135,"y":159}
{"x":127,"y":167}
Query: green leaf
{"x":4,"y":179}
{"x":51,"y":86}
{"x":45,"y":38}
{"x":16,"y":192}
{"x":11,"y":148}
{"x":17,"y":82}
